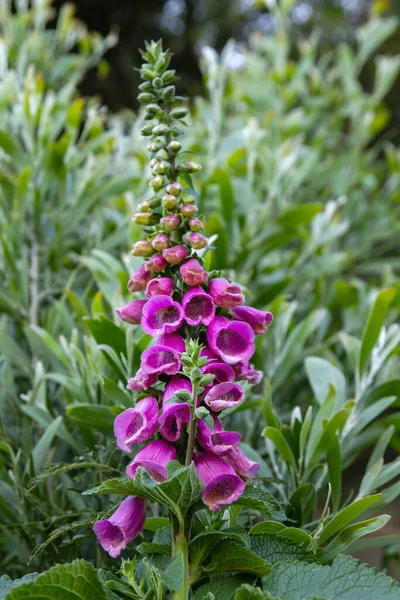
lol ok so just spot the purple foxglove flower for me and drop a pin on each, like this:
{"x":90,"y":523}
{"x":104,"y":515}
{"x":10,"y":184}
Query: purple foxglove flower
{"x":233,"y":341}
{"x":193,"y":273}
{"x":174,"y":415}
{"x":160,"y":242}
{"x":198,"y":307}
{"x":132,"y":312}
{"x":223,"y":486}
{"x":174,"y":341}
{"x":189,"y":210}
{"x":219,"y":441}
{"x":154,"y":457}
{"x":161,"y":286}
{"x":122,"y":527}
{"x":142,"y":248}
{"x":222,"y":372}
{"x":243,"y":371}
{"x":176,"y":254}
{"x":139,"y":279}
{"x":257,"y":319}
{"x":141,"y":381}
{"x":156,"y":264}
{"x":224,"y":395}
{"x":224,"y":293}
{"x":243,"y":466}
{"x":170,"y":222}
{"x":196,"y":240}
{"x":160,"y":359}
{"x":196,"y":224}
{"x":206,"y":351}
{"x":162,"y":315}
{"x":136,"y":425}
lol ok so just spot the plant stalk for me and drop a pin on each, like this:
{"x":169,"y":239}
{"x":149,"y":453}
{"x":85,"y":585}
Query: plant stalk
{"x":181,"y":546}
{"x":192,"y":428}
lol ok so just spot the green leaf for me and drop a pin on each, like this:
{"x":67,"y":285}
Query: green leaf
{"x":321,"y":373}
{"x":105,"y":332}
{"x":300,"y":215}
{"x":220,"y":588}
{"x":75,"y":581}
{"x":41,"y":451}
{"x":233,"y":557}
{"x":95,"y":416}
{"x":7,"y":584}
{"x":348,"y":514}
{"x":173,"y":576}
{"x":258,"y":499}
{"x":276,"y":549}
{"x":248,"y":592}
{"x":324,"y":413}
{"x":281,"y":444}
{"x":267,"y":527}
{"x":150,"y":548}
{"x":374,"y":325}
{"x":203,"y":543}
{"x":346,"y":579}
{"x":334,"y":460}
{"x":155,"y":523}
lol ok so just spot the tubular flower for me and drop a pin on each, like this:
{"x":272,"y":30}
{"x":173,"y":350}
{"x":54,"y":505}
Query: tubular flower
{"x":193,"y":273}
{"x":136,"y":425}
{"x":161,"y":315}
{"x":154,"y":458}
{"x":122,"y":527}
{"x":132,"y":312}
{"x":160,"y":359}
{"x":259,"y":320}
{"x":233,"y":341}
{"x":162,"y":286}
{"x":223,"y":485}
{"x":141,"y":381}
{"x":198,"y":307}
{"x":225,"y":294}
{"x":139,"y":279}
{"x":160,"y":242}
{"x":243,"y":466}
{"x":156,"y":264}
{"x":224,"y":395}
{"x":219,"y":441}
{"x":174,"y":415}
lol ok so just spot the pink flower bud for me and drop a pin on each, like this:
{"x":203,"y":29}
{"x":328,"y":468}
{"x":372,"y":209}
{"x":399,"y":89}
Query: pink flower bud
{"x":196,"y":224}
{"x":196,"y":240}
{"x":170,"y":222}
{"x":142,"y":248}
{"x":160,"y":242}
{"x":189,"y":210}
{"x":132,"y":312}
{"x":139,"y":279}
{"x":257,"y":319}
{"x":161,"y":286}
{"x":193,"y":273}
{"x":141,"y":381}
{"x":224,"y":293}
{"x":156,"y":264}
{"x":174,"y":189}
{"x":176,"y":254}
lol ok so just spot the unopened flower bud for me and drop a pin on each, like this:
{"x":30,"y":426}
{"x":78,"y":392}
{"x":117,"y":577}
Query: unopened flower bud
{"x":143,"y":207}
{"x":174,"y":146}
{"x":170,"y":222}
{"x":162,"y":154}
{"x":156,"y":146}
{"x":152,"y":109}
{"x":157,"y":83}
{"x":160,"y":242}
{"x":188,"y":210}
{"x":176,"y":254}
{"x":142,"y":248}
{"x":132,"y":312}
{"x":144,"y":219}
{"x":189,"y":166}
{"x":147,"y":74}
{"x":154,"y":201}
{"x":174,"y":188}
{"x":145,"y":86}
{"x":139,"y":280}
{"x":147,"y":130}
{"x":169,"y":201}
{"x":152,"y":162}
{"x":168,"y":76}
{"x":160,"y":168}
{"x":179,"y":112}
{"x":196,"y":240}
{"x":157,"y":183}
{"x":196,"y":225}
{"x":161,"y":129}
{"x":193,"y":273}
{"x":146,"y":97}
{"x":168,"y":93}
{"x":156,"y":264}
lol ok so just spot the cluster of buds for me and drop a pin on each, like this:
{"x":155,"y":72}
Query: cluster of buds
{"x":203,"y":335}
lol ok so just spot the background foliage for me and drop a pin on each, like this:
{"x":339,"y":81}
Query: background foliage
{"x":300,"y":189}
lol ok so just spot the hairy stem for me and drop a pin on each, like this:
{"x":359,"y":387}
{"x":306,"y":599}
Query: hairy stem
{"x":192,"y":428}
{"x":181,"y":546}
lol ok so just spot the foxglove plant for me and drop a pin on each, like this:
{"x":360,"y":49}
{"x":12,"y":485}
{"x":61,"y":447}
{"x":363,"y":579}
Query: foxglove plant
{"x":203,"y":336}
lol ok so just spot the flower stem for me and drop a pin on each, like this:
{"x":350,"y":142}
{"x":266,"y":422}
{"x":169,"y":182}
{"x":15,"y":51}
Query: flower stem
{"x":192,"y":427}
{"x":180,"y":546}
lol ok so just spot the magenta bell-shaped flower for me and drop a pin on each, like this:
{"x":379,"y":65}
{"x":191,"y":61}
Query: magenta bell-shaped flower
{"x":257,"y":319}
{"x":198,"y":307}
{"x":160,"y":359}
{"x":206,"y":351}
{"x":193,"y":273}
{"x":223,"y":396}
{"x":136,"y":425}
{"x":174,"y":415}
{"x":221,"y":372}
{"x":132,"y":312}
{"x":243,"y":466}
{"x":223,"y":486}
{"x":176,"y":254}
{"x":162,"y":315}
{"x":156,"y":264}
{"x":161,"y":286}
{"x":154,"y":457}
{"x":141,"y":381}
{"x":174,"y":341}
{"x":219,"y":441}
{"x":122,"y":527}
{"x":233,"y":341}
{"x":243,"y":371}
{"x":139,"y":279}
{"x":224,"y":293}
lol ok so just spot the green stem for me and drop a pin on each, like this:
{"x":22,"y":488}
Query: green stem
{"x":181,"y":546}
{"x":192,"y":428}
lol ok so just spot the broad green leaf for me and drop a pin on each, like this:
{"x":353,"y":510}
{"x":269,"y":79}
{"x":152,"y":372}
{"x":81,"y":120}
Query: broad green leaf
{"x":300,"y":215}
{"x":275,"y":549}
{"x":235,"y":558}
{"x":321,"y":373}
{"x":7,"y":584}
{"x":220,"y":588}
{"x":267,"y":527}
{"x":258,"y":499}
{"x":297,"y":535}
{"x":346,"y":579}
{"x":150,"y":548}
{"x":95,"y":416}
{"x":249,"y":592}
{"x":374,"y":324}
{"x":329,"y":435}
{"x":348,"y":514}
{"x":203,"y":543}
{"x":173,"y":576}
{"x":334,"y":461}
{"x":281,"y":445}
{"x":155,"y":523}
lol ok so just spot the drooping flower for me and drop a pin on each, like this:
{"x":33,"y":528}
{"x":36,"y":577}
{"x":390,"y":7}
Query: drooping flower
{"x":243,"y":371}
{"x":221,"y":372}
{"x":208,"y":353}
{"x":160,"y":242}
{"x":175,"y":254}
{"x":139,"y":279}
{"x":219,"y":441}
{"x":174,"y":415}
{"x":233,"y":341}
{"x":193,"y":273}
{"x":244,"y":466}
{"x":223,"y":396}
{"x":223,"y":485}
{"x":198,"y":307}
{"x":172,"y":340}
{"x":131,"y":312}
{"x":196,"y":240}
{"x":162,"y":315}
{"x":122,"y":527}
{"x":156,"y":264}
{"x":160,"y":359}
{"x":136,"y":425}
{"x":257,"y":319}
{"x":161,"y":286}
{"x":141,"y":381}
{"x":154,"y":457}
{"x":224,"y":293}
